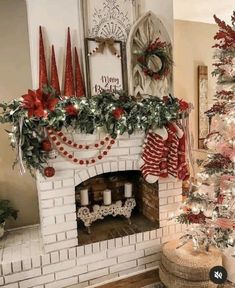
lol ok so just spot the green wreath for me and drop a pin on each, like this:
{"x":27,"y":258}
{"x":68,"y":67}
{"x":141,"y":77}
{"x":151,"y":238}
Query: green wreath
{"x":156,"y":55}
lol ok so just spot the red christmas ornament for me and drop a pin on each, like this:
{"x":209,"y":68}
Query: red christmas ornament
{"x":68,"y":84}
{"x":46,"y":145}
{"x":49,"y":172}
{"x":117,"y":113}
{"x":54,"y":74}
{"x":79,"y":86}
{"x":42,"y":62}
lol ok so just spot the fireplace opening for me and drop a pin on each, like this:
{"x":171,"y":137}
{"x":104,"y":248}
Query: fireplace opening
{"x":125,"y":201}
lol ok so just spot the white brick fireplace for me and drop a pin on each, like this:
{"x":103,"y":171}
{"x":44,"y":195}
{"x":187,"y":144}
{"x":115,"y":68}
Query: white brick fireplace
{"x":52,"y":257}
{"x":57,"y":194}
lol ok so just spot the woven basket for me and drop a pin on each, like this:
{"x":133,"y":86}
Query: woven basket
{"x":171,"y":281}
{"x":188,"y":266}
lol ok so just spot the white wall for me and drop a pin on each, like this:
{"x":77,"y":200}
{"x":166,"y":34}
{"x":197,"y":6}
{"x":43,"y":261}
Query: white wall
{"x":163,"y":9}
{"x":15,"y":79}
{"x":57,"y":15}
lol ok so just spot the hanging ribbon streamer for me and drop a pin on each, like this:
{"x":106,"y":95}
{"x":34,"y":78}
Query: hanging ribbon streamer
{"x":20,"y":152}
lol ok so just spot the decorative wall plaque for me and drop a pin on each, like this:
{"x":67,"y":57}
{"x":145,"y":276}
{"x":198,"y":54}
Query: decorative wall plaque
{"x":203,"y":121}
{"x":104,"y":65}
{"x":145,"y":31}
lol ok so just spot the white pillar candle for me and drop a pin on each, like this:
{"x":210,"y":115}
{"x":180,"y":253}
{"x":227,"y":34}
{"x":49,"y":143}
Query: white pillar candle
{"x":84,"y":197}
{"x":128,"y":190}
{"x":107,"y":197}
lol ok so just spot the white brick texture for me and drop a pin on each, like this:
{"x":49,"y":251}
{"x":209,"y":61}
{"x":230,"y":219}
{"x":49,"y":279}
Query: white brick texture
{"x":22,"y":275}
{"x":62,"y":283}
{"x":77,"y":270}
{"x":58,"y":267}
{"x":37,"y":281}
{"x":123,"y":266}
{"x":93,"y":275}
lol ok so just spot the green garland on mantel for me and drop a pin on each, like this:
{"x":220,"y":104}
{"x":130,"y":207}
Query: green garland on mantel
{"x":116,"y":112}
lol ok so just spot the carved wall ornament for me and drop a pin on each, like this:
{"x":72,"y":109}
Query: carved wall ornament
{"x":144,"y":32}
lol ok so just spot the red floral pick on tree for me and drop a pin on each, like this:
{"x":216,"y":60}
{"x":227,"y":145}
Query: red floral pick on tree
{"x":217,"y":108}
{"x":226,"y":34}
{"x":197,"y":219}
{"x":71,"y":110}
{"x":118,"y":112}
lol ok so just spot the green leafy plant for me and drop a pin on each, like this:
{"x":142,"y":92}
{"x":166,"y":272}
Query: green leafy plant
{"x":6,"y":211}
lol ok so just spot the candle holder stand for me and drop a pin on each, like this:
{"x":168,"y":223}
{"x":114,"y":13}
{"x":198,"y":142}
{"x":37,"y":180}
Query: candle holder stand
{"x":101,"y":211}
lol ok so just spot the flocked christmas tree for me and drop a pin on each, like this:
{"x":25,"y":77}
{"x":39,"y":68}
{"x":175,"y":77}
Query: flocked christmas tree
{"x":210,"y":206}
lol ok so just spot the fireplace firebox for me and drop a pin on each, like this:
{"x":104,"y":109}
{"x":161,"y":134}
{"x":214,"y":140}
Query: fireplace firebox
{"x":144,"y":216}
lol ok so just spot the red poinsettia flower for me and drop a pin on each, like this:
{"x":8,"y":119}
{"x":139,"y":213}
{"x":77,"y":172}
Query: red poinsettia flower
{"x":33,"y":103}
{"x":118,"y":112}
{"x":71,"y":110}
{"x":49,"y":101}
{"x":183,"y":105}
{"x":37,"y":103}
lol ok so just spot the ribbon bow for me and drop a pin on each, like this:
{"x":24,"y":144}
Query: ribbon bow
{"x":106,"y":42}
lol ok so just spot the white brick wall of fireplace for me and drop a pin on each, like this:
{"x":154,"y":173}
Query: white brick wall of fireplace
{"x":60,"y":261}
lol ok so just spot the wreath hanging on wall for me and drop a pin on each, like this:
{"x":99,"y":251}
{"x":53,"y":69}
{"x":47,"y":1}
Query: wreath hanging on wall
{"x":156,"y":60}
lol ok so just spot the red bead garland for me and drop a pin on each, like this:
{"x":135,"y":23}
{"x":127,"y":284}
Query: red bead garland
{"x":58,"y":145}
{"x":53,"y":134}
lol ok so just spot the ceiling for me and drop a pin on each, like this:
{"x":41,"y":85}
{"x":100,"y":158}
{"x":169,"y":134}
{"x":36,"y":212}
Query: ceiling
{"x":203,"y":10}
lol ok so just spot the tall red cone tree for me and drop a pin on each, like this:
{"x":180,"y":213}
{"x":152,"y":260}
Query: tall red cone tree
{"x":79,"y":85}
{"x":68,"y":81}
{"x":42,"y":62}
{"x":54,"y":74}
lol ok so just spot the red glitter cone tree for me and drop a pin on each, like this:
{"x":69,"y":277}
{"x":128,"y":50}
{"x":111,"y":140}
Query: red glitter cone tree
{"x":68,"y":81}
{"x":54,"y":74}
{"x":79,"y":85}
{"x":42,"y":62}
